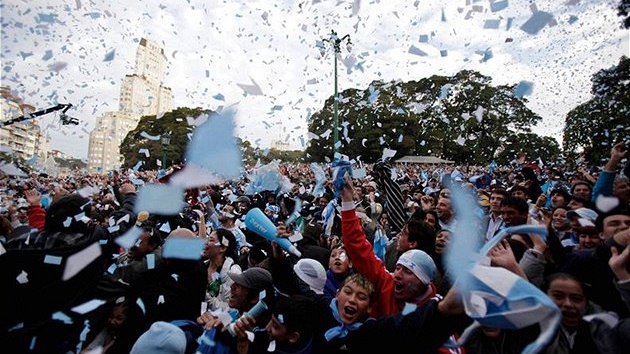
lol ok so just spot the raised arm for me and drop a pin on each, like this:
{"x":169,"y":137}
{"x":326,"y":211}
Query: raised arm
{"x":604,"y":183}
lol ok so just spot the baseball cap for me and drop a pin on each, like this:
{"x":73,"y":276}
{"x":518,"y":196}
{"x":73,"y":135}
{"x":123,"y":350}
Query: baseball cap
{"x":243,"y":199}
{"x":254,"y":278}
{"x":420,"y":264}
{"x":312,"y":273}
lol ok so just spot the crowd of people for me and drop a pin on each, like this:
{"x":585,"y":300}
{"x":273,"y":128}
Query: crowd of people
{"x":85,"y":271}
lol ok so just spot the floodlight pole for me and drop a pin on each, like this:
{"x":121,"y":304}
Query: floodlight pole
{"x":335,"y":44}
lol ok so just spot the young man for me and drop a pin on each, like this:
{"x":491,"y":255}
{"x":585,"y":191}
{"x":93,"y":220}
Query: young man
{"x":347,"y":328}
{"x":412,"y":281}
{"x":291,"y":329}
{"x":494,"y":216}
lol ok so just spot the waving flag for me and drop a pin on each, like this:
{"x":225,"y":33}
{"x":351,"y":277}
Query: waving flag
{"x":392,"y":195}
{"x":492,"y":296}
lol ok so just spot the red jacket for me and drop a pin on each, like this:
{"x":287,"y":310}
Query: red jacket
{"x":365,"y":262}
{"x":36,"y":217}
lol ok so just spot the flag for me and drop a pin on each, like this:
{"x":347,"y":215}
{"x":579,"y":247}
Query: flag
{"x":391,"y":194}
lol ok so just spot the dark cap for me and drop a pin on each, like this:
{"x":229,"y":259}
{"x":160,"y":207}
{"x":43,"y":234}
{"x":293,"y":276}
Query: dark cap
{"x":254,"y":278}
{"x":243,"y":199}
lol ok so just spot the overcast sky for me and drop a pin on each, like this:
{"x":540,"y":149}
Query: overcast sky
{"x":77,"y":52}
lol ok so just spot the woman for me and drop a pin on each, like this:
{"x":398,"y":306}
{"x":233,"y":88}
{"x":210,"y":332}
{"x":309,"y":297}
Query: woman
{"x":575,"y":334}
{"x":219,"y":254}
{"x":561,"y":227}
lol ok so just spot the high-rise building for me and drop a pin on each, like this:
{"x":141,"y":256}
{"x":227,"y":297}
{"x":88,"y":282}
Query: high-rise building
{"x":23,"y":139}
{"x":141,"y":93}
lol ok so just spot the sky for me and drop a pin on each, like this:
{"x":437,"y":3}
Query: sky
{"x":261,"y":57}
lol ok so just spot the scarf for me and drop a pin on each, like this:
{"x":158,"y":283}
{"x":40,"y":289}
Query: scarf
{"x":342,"y":330}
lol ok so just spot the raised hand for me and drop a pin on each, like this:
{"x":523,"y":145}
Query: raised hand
{"x":33,"y":197}
{"x":618,"y":263}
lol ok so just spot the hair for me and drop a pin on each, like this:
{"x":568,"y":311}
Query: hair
{"x":298,"y":314}
{"x":362,"y":281}
{"x":563,"y":192}
{"x":618,"y":210}
{"x":517,"y":203}
{"x":584,"y":183}
{"x":422,"y":233}
{"x":66,"y":208}
{"x":5,"y":226}
{"x":500,"y":191}
{"x":585,"y":230}
{"x":586,"y":202}
{"x":562,"y":276}
{"x":620,"y":179}
{"x":230,"y":249}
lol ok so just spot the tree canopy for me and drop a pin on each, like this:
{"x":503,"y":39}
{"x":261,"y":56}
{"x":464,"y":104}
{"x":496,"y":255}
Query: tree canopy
{"x":173,"y":123}
{"x":462,"y":117}
{"x":597,"y":124}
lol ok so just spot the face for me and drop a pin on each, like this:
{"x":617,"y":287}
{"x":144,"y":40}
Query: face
{"x":242,"y":207}
{"x":22,"y":215}
{"x":588,"y":241}
{"x":574,"y":204}
{"x":403,"y":243}
{"x":582,"y":191}
{"x":338,"y":262}
{"x":557,"y":200}
{"x":142,"y":246}
{"x":443,"y":208}
{"x":445,"y":193}
{"x":621,"y":190}
{"x":495,"y":203}
{"x":568,"y":295}
{"x":353,"y":303}
{"x":117,"y":318}
{"x":430,"y":219}
{"x":238,"y":297}
{"x":512,"y":217}
{"x":559,"y":219}
{"x":407,"y":286}
{"x":359,"y":192}
{"x":277,"y":331}
{"x":614,"y":224}
{"x":518,"y":194}
{"x":441,"y":241}
{"x":212,"y":248}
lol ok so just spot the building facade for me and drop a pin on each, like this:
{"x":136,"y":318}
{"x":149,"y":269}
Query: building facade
{"x":142,"y":93}
{"x":22,"y":139}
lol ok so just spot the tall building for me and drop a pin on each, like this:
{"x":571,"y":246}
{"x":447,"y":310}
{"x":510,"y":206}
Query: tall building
{"x":141,"y":94}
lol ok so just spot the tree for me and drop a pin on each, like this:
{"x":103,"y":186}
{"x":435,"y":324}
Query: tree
{"x":173,"y":123}
{"x":624,"y":11}
{"x":594,"y":126}
{"x":534,"y":147}
{"x":462,"y":118}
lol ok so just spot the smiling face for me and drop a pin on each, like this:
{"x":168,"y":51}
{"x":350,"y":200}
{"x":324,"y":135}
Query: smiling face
{"x":559,"y":219}
{"x":441,"y":241}
{"x":353,"y":302}
{"x":212,"y":248}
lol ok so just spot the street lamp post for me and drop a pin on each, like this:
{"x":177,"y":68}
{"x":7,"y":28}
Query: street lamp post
{"x":166,"y":141}
{"x":335,"y":42}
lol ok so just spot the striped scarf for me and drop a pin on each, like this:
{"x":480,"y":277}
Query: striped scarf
{"x":391,"y":194}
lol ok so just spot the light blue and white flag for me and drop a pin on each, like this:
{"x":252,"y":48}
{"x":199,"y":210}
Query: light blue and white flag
{"x":493,"y":296}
